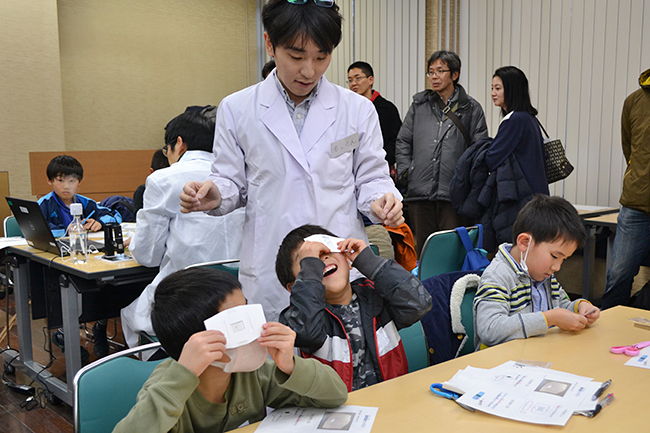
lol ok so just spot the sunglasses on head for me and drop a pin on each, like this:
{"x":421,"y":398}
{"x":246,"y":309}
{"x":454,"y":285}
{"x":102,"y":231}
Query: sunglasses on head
{"x":321,"y":3}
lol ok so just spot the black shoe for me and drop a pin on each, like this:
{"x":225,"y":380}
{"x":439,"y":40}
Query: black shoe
{"x":58,"y":340}
{"x":101,"y":341}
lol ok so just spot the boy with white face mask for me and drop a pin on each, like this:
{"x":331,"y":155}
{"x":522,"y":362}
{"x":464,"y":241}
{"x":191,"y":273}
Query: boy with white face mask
{"x":518,"y":296}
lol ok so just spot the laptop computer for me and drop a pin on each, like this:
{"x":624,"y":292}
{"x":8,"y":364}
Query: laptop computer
{"x":35,"y":228}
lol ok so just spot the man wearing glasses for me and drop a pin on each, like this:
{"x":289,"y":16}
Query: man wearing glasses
{"x":440,"y":124}
{"x":295,"y":149}
{"x":361,"y":79}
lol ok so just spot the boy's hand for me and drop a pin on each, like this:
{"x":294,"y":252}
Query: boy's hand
{"x":279,"y":340}
{"x":388,"y":209}
{"x":589,"y":311}
{"x":352,"y":247}
{"x":565,"y":319}
{"x":202,"y":349}
{"x":200,"y":196}
{"x":92,"y":225}
{"x":312,"y":249}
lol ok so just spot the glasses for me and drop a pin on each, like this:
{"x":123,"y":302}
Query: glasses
{"x":321,"y":3}
{"x":356,"y":79}
{"x":164,"y":149}
{"x":437,"y":73}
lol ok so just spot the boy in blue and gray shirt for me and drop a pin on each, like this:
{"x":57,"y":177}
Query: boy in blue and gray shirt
{"x":518,"y":296}
{"x":65,"y":173}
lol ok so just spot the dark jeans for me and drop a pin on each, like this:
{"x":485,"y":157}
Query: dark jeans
{"x":631,"y":246}
{"x":429,"y":216}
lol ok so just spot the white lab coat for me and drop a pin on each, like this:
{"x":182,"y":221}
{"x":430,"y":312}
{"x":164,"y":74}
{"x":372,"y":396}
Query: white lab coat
{"x":167,"y":238}
{"x":285,"y":181}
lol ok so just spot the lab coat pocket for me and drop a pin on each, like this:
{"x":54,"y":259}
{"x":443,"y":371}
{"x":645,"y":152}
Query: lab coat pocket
{"x":340,"y":168}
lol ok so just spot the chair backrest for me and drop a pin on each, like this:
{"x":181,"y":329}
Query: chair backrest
{"x":106,"y":390}
{"x":467,"y":319}
{"x":415,"y":346}
{"x":228,"y":265}
{"x":444,"y":252}
{"x":10,"y":226}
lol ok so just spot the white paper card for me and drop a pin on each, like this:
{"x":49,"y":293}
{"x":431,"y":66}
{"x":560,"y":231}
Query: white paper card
{"x":352,"y":419}
{"x":329,"y":241}
{"x":240,"y":325}
{"x":346,"y":144}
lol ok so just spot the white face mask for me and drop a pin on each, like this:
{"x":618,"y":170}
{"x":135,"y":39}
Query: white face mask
{"x":241,"y":326}
{"x":522,"y":263}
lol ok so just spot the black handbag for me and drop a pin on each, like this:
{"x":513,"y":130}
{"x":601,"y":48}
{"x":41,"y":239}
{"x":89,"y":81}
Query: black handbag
{"x":558,"y":166}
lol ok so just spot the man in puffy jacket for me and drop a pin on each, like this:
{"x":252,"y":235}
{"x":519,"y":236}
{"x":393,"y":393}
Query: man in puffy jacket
{"x":632,"y":242}
{"x":430,"y":143}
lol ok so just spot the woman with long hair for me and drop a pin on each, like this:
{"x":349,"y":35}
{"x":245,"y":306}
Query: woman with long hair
{"x":519,"y":131}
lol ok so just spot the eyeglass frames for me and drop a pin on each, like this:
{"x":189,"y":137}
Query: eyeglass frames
{"x":437,"y":73}
{"x":321,"y":3}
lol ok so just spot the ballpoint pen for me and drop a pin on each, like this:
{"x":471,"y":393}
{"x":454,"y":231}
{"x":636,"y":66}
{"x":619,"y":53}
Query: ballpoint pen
{"x":602,"y":403}
{"x":602,"y":388}
{"x":86,"y":219}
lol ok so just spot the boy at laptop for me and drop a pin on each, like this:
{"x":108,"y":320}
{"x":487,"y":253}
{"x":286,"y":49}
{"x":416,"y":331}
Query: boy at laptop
{"x":65,"y":173}
{"x":350,"y":326}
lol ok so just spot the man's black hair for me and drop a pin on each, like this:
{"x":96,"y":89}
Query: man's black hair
{"x":287,"y":24}
{"x":159,"y":160}
{"x":183,"y":300}
{"x":288,"y":248}
{"x":450,"y":58}
{"x":64,"y":165}
{"x":364,"y":66}
{"x":548,"y":219}
{"x":267,"y":68}
{"x":195,"y":128}
{"x":515,"y":90}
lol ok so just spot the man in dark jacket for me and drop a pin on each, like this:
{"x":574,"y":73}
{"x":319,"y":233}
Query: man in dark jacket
{"x":361,"y":79}
{"x":632,"y":242}
{"x":430,"y":143}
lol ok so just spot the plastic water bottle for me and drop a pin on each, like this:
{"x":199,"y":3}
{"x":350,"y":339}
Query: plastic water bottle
{"x":78,"y":235}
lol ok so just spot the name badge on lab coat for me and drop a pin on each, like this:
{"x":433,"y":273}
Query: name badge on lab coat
{"x":346,"y":144}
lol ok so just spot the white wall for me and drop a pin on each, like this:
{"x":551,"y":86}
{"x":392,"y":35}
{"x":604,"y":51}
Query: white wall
{"x":582,"y":58}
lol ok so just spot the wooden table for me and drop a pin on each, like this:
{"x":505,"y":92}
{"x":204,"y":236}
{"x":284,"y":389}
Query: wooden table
{"x":85,"y":289}
{"x":406,"y":404}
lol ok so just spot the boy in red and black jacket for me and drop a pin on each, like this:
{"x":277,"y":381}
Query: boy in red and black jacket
{"x":351,"y":327}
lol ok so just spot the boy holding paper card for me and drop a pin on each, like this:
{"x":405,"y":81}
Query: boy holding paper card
{"x":351,"y":327}
{"x":190,"y":394}
{"x":518,"y":296}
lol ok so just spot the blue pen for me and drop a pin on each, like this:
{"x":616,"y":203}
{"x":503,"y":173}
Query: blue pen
{"x":86,"y":219}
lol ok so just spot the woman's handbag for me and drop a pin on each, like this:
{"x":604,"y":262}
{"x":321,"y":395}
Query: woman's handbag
{"x":558,"y":166}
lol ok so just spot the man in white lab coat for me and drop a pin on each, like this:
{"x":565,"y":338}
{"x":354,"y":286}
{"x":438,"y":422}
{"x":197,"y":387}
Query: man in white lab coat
{"x":164,"y":236}
{"x":295,"y":149}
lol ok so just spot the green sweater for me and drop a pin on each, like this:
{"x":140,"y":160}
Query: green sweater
{"x":170,"y":402}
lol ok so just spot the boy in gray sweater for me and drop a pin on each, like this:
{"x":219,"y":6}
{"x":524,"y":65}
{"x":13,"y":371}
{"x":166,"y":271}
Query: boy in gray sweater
{"x":518,"y":296}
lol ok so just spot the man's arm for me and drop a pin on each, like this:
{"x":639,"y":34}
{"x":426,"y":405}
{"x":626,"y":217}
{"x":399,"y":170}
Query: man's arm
{"x":370,"y":170}
{"x":148,"y":243}
{"x":626,"y":132}
{"x":404,"y":144}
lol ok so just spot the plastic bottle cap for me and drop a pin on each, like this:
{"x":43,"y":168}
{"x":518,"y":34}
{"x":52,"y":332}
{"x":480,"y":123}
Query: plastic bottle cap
{"x":76,"y":209}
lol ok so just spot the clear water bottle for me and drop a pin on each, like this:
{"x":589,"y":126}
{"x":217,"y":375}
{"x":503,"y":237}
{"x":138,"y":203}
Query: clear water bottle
{"x":78,"y":235}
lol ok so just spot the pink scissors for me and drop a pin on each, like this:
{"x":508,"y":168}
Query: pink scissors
{"x":630,"y":350}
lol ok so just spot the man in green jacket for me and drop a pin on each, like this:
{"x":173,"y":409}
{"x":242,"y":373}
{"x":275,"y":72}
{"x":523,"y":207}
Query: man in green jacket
{"x":190,"y":394}
{"x":632,"y":242}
